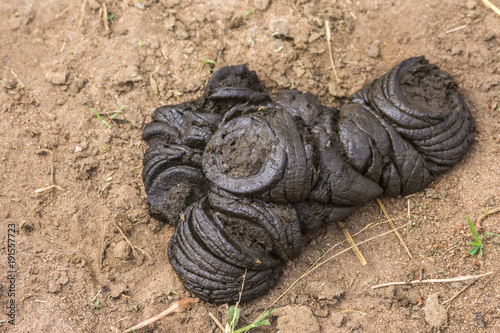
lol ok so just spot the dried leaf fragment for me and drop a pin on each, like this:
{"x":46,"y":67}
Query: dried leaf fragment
{"x":177,"y":306}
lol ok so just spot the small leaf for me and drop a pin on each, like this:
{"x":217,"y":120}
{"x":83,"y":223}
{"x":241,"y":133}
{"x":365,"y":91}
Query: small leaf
{"x":261,"y":323}
{"x":233,"y":316}
{"x":249,"y":12}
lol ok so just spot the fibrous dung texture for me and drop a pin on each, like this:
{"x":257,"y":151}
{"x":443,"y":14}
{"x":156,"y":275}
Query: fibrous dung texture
{"x":242,"y":176}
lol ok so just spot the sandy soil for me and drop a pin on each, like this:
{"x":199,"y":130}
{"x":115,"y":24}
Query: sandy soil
{"x":75,"y":270}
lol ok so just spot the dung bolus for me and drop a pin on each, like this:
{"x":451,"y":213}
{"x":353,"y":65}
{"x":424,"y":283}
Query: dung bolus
{"x":251,"y":173}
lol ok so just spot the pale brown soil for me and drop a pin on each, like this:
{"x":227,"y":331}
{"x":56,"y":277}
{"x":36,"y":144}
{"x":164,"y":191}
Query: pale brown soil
{"x":69,"y":248}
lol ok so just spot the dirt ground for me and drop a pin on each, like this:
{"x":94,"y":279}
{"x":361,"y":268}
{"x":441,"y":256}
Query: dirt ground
{"x":76,"y":271}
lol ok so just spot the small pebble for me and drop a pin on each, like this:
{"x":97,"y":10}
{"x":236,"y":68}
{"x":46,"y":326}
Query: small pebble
{"x":139,"y":5}
{"x":373,"y":50}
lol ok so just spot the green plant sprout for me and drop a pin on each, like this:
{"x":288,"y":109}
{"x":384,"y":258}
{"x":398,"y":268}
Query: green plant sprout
{"x":478,"y":244}
{"x":102,"y":144}
{"x":132,"y":304}
{"x":233,"y":315}
{"x":249,"y":12}
{"x":111,"y":18}
{"x":114,"y":115}
{"x":100,"y":118}
{"x":208,"y":61}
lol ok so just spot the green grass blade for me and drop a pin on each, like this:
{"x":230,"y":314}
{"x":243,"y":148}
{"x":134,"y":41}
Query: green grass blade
{"x":100,"y":118}
{"x":102,"y":144}
{"x":208,"y":61}
{"x":97,"y":114}
{"x":258,"y":322}
{"x":473,"y":250}
{"x":473,"y":229}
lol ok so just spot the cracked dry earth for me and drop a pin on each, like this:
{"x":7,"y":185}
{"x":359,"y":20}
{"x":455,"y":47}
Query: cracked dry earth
{"x":57,"y":65}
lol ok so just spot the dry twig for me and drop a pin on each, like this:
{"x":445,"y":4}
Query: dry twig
{"x":105,"y":16}
{"x":485,"y":215}
{"x":217,"y":322}
{"x":381,"y":204}
{"x":456,"y":279}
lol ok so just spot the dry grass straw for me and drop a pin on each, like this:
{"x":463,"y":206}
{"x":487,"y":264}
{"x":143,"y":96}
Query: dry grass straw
{"x":105,"y":16}
{"x":351,"y":242}
{"x":458,"y":293}
{"x":492,"y":7}
{"x":47,"y":188}
{"x":318,"y":263}
{"x":381,"y":204}
{"x":455,"y":279}
{"x":328,"y":39}
{"x":134,"y":252}
{"x":217,"y":322}
{"x":52,"y":175}
{"x":84,"y":5}
{"x":230,"y":327}
{"x":63,"y":12}
{"x":353,"y":311}
{"x":21,"y":84}
{"x":456,"y":29}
